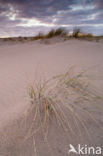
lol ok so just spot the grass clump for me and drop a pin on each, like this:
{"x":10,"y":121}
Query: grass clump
{"x":58,"y":32}
{"x":52,"y":33}
{"x":64,"y":100}
{"x":57,"y":98}
{"x":77,"y":33}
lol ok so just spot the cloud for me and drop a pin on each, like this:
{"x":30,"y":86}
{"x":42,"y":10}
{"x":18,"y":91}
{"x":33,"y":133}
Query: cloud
{"x":98,"y":4}
{"x":38,"y":8}
{"x":22,"y":16}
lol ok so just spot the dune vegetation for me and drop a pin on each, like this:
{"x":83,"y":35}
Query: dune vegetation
{"x":58,"y":99}
{"x":59,"y":32}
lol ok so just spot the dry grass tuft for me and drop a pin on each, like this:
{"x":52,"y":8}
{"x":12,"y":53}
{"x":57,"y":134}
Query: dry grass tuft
{"x":62,"y":102}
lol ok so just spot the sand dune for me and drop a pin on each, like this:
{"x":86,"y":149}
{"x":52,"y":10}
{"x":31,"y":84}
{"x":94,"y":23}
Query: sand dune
{"x":25,"y":64}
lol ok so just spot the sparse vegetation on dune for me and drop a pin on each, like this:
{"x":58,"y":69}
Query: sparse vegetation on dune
{"x":57,"y":99}
{"x":52,"y":33}
{"x":62,"y":32}
{"x":59,"y":32}
{"x":77,"y":33}
{"x":8,"y":39}
{"x":39,"y":36}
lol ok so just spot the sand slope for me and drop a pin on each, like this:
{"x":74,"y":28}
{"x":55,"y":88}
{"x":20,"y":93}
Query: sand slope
{"x":23,"y":64}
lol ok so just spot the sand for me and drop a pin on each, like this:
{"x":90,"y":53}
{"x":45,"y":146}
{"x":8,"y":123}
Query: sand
{"x":24,"y":64}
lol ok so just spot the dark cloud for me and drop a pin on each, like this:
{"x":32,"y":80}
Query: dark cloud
{"x":98,"y":4}
{"x":100,"y":16}
{"x":58,"y":12}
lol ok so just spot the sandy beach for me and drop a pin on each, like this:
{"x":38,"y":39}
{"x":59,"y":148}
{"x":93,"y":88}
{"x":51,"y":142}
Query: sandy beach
{"x":24,"y":64}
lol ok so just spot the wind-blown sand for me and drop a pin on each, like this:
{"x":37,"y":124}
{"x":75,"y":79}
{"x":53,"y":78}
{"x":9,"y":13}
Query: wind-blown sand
{"x":22,"y":65}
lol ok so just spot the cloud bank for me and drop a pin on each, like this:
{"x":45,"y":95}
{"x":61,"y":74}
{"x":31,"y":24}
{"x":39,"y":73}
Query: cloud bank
{"x":28,"y":17}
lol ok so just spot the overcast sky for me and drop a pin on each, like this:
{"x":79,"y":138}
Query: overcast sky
{"x":28,"y":17}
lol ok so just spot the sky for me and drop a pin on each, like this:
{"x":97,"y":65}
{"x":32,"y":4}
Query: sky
{"x":28,"y":17}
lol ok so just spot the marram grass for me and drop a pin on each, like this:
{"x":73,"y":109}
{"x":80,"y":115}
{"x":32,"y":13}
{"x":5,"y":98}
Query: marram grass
{"x":59,"y":97}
